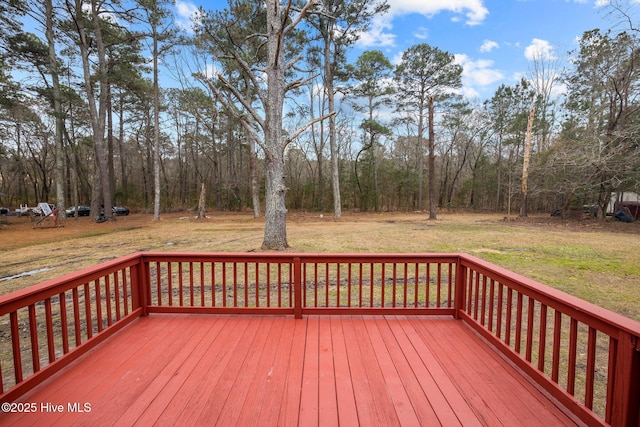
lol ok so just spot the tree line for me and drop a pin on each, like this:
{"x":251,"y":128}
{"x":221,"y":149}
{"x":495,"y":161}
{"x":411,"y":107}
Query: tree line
{"x":269,"y":114}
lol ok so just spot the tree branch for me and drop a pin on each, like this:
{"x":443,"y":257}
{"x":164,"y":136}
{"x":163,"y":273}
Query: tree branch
{"x":305,"y":127}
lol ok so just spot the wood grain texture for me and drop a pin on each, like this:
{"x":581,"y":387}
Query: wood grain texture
{"x":321,"y":370}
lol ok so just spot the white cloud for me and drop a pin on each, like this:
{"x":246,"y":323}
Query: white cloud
{"x":559,"y":90}
{"x":477,"y":73}
{"x":488,"y":46}
{"x":469,"y":93}
{"x":421,"y":33}
{"x":105,"y":14}
{"x":397,"y":58}
{"x":186,"y":13}
{"x":379,"y":34}
{"x":539,"y":49}
{"x":473,"y":10}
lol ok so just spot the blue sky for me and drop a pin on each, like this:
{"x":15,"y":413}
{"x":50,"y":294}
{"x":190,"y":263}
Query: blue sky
{"x":493,"y":40}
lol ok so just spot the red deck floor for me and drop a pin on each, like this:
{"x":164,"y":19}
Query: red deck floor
{"x":235,"y":370}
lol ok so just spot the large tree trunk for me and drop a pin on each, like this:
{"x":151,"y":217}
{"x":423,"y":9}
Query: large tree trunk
{"x":275,"y":227}
{"x":278,"y":25}
{"x":525,"y":164}
{"x":432,"y":164}
{"x":202,"y":203}
{"x":123,"y":171}
{"x":110,"y":150}
{"x":333,"y":146}
{"x":96,"y":113}
{"x":57,"y":108}
{"x":420,"y":154}
{"x":499,"y":172}
{"x":156,"y":128}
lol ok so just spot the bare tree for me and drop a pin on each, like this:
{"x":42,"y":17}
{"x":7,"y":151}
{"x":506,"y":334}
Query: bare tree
{"x":161,"y":32}
{"x":427,"y":75}
{"x":340,"y":25}
{"x":57,"y":107}
{"x":625,"y":14}
{"x":603,"y":101}
{"x":87,"y":38}
{"x":526,"y":161}
{"x":544,"y":78}
{"x":271,"y":82}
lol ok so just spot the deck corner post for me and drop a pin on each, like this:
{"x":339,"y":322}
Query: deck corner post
{"x":461,"y":280}
{"x":142,"y":284}
{"x":626,"y":394}
{"x":297,"y":288}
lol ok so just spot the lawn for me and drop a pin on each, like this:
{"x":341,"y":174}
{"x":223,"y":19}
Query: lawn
{"x":598,"y":262}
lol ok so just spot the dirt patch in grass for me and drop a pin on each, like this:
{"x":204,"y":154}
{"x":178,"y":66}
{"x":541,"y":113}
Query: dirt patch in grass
{"x":597,"y":261}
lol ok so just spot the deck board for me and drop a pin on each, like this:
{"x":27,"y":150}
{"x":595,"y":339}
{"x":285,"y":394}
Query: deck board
{"x":309,"y":392}
{"x":367,"y":410}
{"x":327,"y":395}
{"x":191,"y":397}
{"x":477,"y":380}
{"x":408,"y":375}
{"x":448,"y":404}
{"x":322,"y":370}
{"x":347,"y":409}
{"x":236,"y":370}
{"x":288,"y":412}
{"x":392,"y":381}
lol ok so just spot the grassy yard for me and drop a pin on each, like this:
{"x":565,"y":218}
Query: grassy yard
{"x":599,"y":262}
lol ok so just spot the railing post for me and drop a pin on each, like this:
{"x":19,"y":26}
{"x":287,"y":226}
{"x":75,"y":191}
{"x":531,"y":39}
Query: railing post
{"x":297,"y":288}
{"x":140,"y":278}
{"x":626,"y":394}
{"x":461,"y":280}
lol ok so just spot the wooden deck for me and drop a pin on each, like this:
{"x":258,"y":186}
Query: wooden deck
{"x":277,"y":370}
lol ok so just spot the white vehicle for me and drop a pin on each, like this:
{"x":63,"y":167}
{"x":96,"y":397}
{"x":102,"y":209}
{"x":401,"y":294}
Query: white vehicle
{"x":23,"y":210}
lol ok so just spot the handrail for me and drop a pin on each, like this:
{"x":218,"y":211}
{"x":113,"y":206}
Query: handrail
{"x":594,"y":315}
{"x":585,"y":356}
{"x":60,"y":319}
{"x":542,"y":330}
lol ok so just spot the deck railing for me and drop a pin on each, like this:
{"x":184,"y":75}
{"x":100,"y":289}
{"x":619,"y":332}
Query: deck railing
{"x":324,"y":283}
{"x":45,"y":327}
{"x":585,"y":357}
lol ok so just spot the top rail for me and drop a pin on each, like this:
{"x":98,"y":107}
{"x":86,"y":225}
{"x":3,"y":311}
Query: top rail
{"x":586,"y":357}
{"x":323,"y":283}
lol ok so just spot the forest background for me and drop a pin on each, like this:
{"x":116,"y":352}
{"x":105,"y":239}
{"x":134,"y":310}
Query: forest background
{"x":88,"y":122}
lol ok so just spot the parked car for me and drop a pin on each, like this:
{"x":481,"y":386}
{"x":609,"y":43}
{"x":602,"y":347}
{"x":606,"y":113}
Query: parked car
{"x":632,"y":207}
{"x":81,"y":211}
{"x":120,"y":210}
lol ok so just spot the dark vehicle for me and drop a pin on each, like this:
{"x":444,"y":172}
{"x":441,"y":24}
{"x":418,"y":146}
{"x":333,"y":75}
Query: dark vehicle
{"x":81,"y":211}
{"x":120,"y":210}
{"x":631,"y":209}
